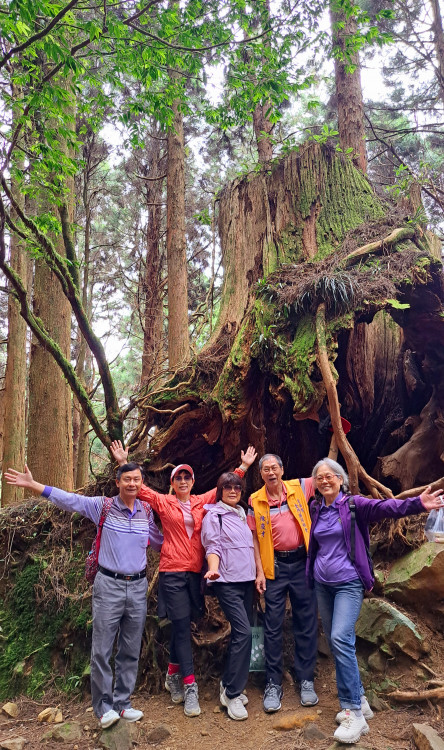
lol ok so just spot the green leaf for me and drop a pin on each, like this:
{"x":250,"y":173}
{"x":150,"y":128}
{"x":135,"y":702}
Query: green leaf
{"x":398,"y":305}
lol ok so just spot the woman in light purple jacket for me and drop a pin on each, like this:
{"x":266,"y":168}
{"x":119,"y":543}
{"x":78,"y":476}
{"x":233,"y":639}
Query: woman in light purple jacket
{"x":229,"y":549}
{"x":339,"y":566}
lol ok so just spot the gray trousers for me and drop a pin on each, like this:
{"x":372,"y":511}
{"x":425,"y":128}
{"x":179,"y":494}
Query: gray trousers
{"x":117,"y":607}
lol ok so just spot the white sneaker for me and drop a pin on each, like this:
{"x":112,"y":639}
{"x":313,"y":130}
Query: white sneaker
{"x":108,"y":719}
{"x":365,"y":708}
{"x":235,"y":708}
{"x":351,"y":728}
{"x":131,"y":714}
{"x":243,"y":696}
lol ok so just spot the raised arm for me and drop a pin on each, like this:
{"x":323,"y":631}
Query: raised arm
{"x":119,"y":453}
{"x":90,"y":507}
{"x":248,"y":458}
{"x":24,"y":479}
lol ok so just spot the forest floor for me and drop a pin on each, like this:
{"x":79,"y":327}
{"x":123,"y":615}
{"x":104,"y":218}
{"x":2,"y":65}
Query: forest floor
{"x":390,"y":729}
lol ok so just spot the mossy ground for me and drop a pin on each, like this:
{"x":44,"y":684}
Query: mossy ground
{"x":41,"y":641}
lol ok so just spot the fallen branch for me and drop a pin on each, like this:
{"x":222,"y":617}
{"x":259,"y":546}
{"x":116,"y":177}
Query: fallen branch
{"x":403,"y":233}
{"x":354,"y":468}
{"x":416,"y":491}
{"x":417,"y":697}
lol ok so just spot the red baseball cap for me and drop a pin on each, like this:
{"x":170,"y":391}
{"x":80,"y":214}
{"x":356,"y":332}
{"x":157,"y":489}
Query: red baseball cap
{"x":182,"y":467}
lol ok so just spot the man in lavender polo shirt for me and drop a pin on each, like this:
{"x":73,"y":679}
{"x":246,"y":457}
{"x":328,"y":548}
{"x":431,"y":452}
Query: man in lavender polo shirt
{"x":120,"y":586}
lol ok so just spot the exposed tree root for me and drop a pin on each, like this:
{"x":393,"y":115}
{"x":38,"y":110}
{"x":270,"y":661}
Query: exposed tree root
{"x":398,"y":235}
{"x":417,"y":697}
{"x":354,"y":468}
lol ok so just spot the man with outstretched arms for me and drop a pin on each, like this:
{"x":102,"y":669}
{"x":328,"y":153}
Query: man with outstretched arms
{"x":280,"y":521}
{"x":120,"y":586}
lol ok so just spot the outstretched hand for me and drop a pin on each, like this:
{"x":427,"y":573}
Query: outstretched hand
{"x":20,"y":479}
{"x":249,"y":456}
{"x":120,"y":454}
{"x":432,"y":500}
{"x":212,"y":575}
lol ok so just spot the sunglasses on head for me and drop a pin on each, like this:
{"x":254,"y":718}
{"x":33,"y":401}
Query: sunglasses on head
{"x":231,"y":486}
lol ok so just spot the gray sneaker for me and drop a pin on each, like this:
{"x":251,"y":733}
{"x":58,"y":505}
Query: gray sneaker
{"x":308,"y":695}
{"x":272,"y":697}
{"x":174,"y":685}
{"x":242,"y":696}
{"x":191,"y":706}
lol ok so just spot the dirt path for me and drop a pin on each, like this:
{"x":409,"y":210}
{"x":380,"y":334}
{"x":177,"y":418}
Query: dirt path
{"x":389,"y":730}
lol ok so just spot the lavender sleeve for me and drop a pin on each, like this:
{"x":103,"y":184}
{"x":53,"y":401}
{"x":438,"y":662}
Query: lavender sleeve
{"x":91,"y":507}
{"x":376,"y":510}
{"x":210,"y":534}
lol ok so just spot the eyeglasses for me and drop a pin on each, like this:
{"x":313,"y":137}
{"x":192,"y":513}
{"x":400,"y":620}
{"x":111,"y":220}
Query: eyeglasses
{"x":235,"y":487}
{"x":327,"y":477}
{"x":267,"y":469}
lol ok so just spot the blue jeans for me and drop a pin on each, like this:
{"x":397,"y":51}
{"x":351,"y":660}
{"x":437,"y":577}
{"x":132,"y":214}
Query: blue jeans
{"x":339,"y":606}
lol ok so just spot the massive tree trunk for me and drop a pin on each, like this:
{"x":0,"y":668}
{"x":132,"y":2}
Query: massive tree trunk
{"x":348,"y":89}
{"x":14,"y":397}
{"x":310,"y":233}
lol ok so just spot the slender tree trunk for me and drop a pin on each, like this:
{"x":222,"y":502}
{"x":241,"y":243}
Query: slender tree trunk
{"x":14,"y":412}
{"x":438,"y":38}
{"x":178,"y":336}
{"x":261,"y":114}
{"x":50,"y":453}
{"x":153,"y":318}
{"x":348,"y":91}
{"x":262,"y":129}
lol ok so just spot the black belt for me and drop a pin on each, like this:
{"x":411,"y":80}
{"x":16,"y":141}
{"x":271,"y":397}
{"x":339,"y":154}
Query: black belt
{"x":289,"y":556}
{"x":121,"y":576}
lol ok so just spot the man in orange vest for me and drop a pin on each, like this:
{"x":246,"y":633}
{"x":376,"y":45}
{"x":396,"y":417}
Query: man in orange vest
{"x":279,"y":518}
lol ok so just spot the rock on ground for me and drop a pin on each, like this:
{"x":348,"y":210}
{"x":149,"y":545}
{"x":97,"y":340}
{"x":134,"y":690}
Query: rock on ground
{"x":120,"y":736}
{"x":158,"y":734}
{"x":427,"y":738}
{"x":381,"y":623}
{"x":70,"y":731}
{"x":14,"y":743}
{"x":418,"y":578}
{"x":11,"y":709}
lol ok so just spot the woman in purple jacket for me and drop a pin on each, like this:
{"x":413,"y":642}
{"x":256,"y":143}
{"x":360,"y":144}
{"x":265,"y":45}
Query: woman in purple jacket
{"x":229,"y":549}
{"x":339,"y":566}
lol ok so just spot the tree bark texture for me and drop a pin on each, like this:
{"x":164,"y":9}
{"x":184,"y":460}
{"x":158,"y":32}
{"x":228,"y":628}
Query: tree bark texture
{"x":259,"y":379}
{"x":438,"y":38}
{"x":14,"y":397}
{"x":50,"y":446}
{"x":50,"y":452}
{"x":348,"y":91}
{"x":178,"y":335}
{"x":153,"y":313}
{"x":301,"y":210}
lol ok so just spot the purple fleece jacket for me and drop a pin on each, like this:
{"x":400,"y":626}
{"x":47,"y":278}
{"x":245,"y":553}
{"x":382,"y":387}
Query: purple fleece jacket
{"x":367,"y":510}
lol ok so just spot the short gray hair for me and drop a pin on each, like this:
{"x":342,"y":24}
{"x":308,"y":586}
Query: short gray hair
{"x":267,"y":458}
{"x":336,"y":469}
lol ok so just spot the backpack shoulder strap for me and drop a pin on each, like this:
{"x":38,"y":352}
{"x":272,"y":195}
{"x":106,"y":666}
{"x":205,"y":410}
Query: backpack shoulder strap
{"x":146,"y":506}
{"x":352,"y":506}
{"x":106,"y":507}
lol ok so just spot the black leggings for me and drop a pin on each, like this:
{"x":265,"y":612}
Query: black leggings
{"x":182,"y":599}
{"x":180,"y":647}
